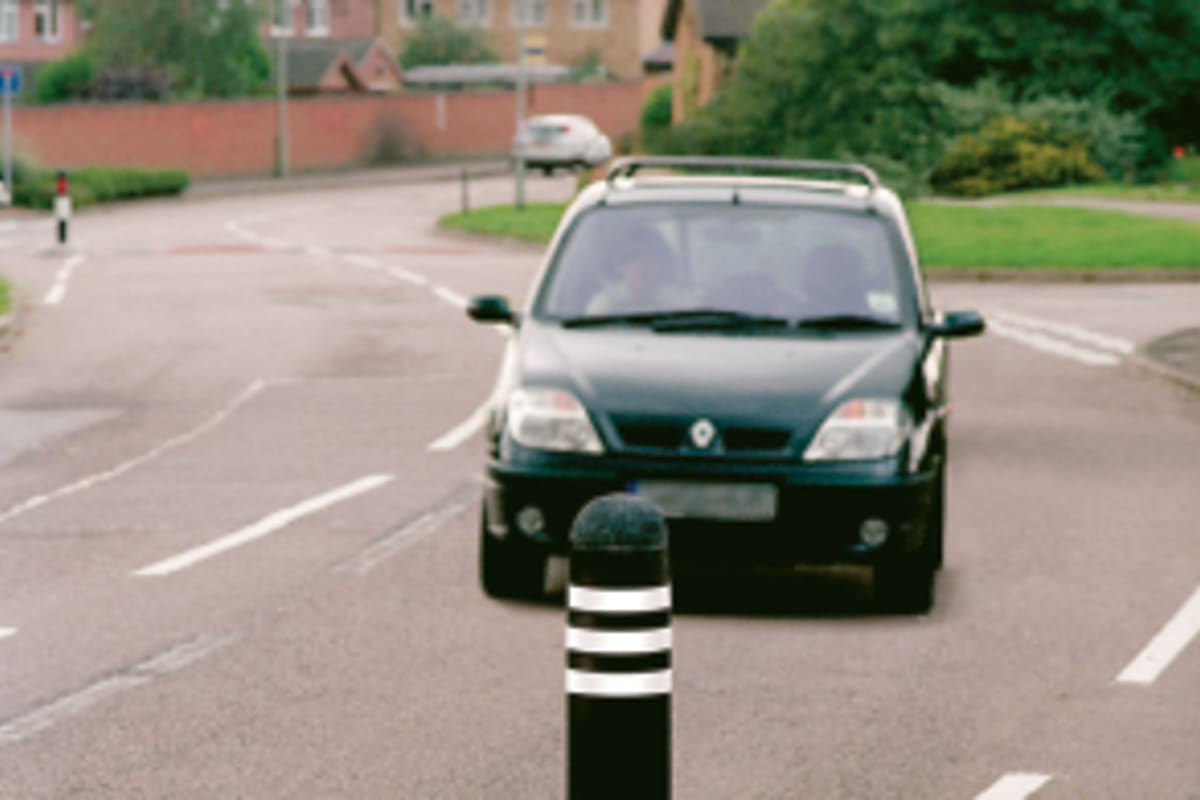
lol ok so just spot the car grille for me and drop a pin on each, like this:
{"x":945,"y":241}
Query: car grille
{"x":672,"y":436}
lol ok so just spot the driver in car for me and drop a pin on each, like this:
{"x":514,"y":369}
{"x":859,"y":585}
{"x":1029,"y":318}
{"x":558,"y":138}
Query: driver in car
{"x":642,"y":276}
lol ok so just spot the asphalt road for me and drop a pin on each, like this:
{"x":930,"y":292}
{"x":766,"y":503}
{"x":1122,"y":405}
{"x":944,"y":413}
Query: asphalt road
{"x":238,"y":518}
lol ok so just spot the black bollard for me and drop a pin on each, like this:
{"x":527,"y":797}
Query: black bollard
{"x":62,"y":204}
{"x":619,"y":653}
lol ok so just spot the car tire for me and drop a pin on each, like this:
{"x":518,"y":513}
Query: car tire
{"x":508,"y":571}
{"x":904,"y":586}
{"x":935,"y":524}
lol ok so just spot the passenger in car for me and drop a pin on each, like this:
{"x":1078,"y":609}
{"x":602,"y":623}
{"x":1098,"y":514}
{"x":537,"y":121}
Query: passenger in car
{"x":835,"y":281}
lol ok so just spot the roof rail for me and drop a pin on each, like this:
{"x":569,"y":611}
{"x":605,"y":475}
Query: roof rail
{"x":628,"y":167}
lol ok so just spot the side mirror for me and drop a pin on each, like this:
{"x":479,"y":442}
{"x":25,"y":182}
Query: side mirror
{"x":491,"y":308}
{"x":958,"y":324}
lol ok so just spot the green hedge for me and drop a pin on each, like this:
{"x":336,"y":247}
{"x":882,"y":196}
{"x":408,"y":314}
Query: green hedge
{"x":1009,"y":153}
{"x":5,"y":297}
{"x":35,"y":188}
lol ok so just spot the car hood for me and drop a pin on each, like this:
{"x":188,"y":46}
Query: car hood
{"x":781,"y":378}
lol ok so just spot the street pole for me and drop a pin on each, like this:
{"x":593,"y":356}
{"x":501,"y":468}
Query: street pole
{"x":281,"y":70}
{"x":522,"y":88}
{"x":8,"y":170}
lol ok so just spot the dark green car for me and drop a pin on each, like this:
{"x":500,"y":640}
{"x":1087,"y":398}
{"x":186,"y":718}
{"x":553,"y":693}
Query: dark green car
{"x":749,"y":345}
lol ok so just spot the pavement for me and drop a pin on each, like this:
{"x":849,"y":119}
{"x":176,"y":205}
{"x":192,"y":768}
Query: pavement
{"x":1175,"y":356}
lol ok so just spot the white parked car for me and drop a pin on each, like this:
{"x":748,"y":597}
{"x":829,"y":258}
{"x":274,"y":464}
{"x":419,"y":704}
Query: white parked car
{"x":561,"y":140}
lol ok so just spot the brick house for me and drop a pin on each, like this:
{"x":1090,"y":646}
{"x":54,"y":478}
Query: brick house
{"x":33,"y":32}
{"x":315,"y":19}
{"x":333,"y":46}
{"x":706,"y":35}
{"x":619,"y":32}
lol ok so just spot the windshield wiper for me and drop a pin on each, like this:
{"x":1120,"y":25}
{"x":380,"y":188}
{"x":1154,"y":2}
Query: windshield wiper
{"x":689,"y":319}
{"x":847,"y":322}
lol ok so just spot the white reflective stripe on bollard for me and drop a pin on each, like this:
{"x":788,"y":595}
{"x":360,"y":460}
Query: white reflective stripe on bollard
{"x":619,"y":642}
{"x":628,"y":684}
{"x":657,"y":598}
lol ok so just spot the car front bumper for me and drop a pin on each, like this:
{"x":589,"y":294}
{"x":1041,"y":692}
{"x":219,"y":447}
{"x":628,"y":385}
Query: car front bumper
{"x":819,"y":518}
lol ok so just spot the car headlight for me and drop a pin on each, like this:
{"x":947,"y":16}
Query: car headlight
{"x":551,"y":419}
{"x":861,"y":430}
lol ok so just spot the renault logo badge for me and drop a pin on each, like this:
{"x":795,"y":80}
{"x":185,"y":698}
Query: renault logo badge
{"x":702,"y":433}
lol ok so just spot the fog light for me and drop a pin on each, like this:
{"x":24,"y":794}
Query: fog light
{"x":873,"y":532}
{"x":531,"y":520}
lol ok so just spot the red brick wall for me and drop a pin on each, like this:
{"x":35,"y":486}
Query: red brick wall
{"x":211,"y":139}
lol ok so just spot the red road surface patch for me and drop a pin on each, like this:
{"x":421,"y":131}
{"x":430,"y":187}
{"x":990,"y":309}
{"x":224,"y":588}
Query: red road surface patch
{"x":213,"y":249}
{"x":430,"y":249}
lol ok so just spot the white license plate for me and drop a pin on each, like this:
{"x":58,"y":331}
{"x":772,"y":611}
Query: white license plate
{"x":742,"y":502}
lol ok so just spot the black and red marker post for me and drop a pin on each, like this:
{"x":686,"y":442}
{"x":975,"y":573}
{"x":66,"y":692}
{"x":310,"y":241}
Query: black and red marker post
{"x":62,"y":204}
{"x":619,"y":653}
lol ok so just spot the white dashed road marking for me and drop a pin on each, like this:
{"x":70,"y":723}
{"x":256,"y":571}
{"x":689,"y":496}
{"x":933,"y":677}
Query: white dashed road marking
{"x":100,"y":477}
{"x":6,"y":632}
{"x":1082,"y":335}
{"x":264,"y":527}
{"x":1015,"y":786}
{"x":1052,"y":345}
{"x":58,"y":290}
{"x":1169,"y":643}
{"x":173,"y":660}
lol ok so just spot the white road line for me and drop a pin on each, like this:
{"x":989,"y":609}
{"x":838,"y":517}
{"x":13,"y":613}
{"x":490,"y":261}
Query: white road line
{"x":366,"y":262}
{"x":409,"y":534}
{"x":264,"y":527}
{"x":415,"y":278}
{"x":462,"y":431}
{"x":318,"y":251}
{"x":58,"y":290}
{"x":450,"y":296}
{"x":1057,"y":347}
{"x":1015,"y":786}
{"x":178,"y":441}
{"x":1083,"y":335}
{"x":1163,"y":648}
{"x":173,"y":660}
{"x":6,"y":632}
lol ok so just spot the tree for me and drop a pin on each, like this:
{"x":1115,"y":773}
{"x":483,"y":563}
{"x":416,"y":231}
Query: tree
{"x":205,"y":48}
{"x":869,"y":79}
{"x":439,"y":41}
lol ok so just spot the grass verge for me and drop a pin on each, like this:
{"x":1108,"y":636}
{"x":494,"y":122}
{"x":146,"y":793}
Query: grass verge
{"x":1045,"y":237}
{"x":535,"y":223}
{"x":5,"y":297}
{"x":1028,"y":237}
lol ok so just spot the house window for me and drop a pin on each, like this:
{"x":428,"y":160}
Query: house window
{"x":281,"y":16}
{"x":411,"y":11}
{"x":318,"y":17}
{"x":529,"y":13}
{"x":9,"y":32}
{"x":589,"y":13}
{"x":45,"y":20}
{"x":474,"y":12}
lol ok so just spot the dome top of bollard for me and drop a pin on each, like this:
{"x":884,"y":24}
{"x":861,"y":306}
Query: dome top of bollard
{"x":619,"y":522}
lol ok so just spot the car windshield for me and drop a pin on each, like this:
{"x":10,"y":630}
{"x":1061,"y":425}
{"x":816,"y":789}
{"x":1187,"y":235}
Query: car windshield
{"x":819,"y":269}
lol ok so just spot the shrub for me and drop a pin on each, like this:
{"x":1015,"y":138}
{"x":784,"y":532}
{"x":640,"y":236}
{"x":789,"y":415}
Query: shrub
{"x":1009,"y":153}
{"x":438,"y":40}
{"x":35,"y":188}
{"x":656,"y":118}
{"x":66,"y":79}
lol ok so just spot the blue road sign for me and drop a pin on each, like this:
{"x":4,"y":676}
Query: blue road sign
{"x":10,"y":79}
